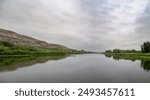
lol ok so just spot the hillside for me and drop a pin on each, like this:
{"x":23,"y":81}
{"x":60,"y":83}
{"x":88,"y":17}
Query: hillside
{"x":18,"y":39}
{"x":12,"y":43}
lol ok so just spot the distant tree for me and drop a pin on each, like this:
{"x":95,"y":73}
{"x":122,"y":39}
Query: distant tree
{"x":108,"y":51}
{"x":133,"y":50}
{"x":116,"y":51}
{"x":145,"y":48}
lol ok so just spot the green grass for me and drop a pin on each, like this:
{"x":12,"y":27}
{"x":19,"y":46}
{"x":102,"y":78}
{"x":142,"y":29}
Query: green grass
{"x":10,"y":49}
{"x":130,"y":56}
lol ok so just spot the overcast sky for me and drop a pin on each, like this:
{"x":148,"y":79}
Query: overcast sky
{"x":80,"y":24}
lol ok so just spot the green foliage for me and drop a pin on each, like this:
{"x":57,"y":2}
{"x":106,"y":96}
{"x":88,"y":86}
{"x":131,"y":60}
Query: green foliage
{"x":144,"y":54}
{"x":10,"y":49}
{"x":6,"y":44}
{"x":108,"y":51}
{"x":129,"y":56}
{"x":145,"y":48}
{"x":116,"y":51}
{"x":122,"y":51}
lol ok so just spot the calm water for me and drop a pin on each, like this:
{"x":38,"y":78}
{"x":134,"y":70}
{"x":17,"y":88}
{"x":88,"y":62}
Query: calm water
{"x":91,"y":68}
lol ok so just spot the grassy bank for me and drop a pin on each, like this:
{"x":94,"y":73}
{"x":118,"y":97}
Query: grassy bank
{"x":130,"y":56}
{"x":11,"y":49}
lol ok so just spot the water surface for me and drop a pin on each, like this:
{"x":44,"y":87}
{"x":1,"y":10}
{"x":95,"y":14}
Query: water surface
{"x":88,"y":68}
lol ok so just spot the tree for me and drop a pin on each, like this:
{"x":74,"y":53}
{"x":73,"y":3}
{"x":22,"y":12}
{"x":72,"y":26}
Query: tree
{"x":108,"y":51}
{"x":116,"y":51}
{"x":145,"y":48}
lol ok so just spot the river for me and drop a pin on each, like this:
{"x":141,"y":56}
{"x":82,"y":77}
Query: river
{"x":86,"y":68}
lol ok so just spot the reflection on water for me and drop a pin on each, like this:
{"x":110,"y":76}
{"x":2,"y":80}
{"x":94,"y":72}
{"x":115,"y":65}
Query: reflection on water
{"x":14,"y":62}
{"x":86,"y":68}
{"x":144,"y":63}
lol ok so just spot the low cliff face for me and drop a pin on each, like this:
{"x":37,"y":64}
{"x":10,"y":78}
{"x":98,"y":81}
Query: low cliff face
{"x":18,"y":39}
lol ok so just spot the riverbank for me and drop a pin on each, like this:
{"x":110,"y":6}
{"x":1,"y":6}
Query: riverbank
{"x":11,"y":49}
{"x":129,"y":56}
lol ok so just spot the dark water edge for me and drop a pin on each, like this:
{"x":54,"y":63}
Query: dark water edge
{"x":83,"y":68}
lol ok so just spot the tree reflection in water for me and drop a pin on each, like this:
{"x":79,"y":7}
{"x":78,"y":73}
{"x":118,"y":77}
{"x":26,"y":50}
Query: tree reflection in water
{"x":145,"y":65}
{"x":14,"y":62}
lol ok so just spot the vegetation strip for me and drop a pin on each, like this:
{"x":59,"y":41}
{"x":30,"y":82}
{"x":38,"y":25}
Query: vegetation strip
{"x":144,"y":54}
{"x":11,"y":49}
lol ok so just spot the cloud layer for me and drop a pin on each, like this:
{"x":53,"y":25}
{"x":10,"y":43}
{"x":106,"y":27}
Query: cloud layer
{"x":80,"y":24}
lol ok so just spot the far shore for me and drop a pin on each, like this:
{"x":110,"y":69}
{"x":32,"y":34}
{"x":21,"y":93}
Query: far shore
{"x":130,"y":56}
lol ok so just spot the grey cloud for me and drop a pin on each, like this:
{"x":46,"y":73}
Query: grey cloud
{"x":143,"y":25}
{"x":81,"y":24}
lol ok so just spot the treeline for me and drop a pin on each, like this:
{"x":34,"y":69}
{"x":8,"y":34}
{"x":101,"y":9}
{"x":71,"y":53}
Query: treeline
{"x":122,"y":51}
{"x":145,"y":48}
